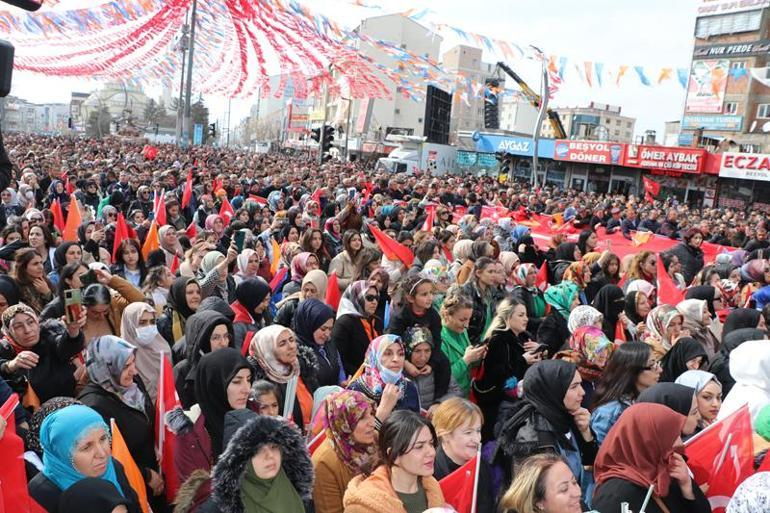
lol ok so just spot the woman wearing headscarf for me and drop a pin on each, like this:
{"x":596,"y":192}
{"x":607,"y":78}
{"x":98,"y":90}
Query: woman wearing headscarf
{"x":39,"y":356}
{"x":313,"y":287}
{"x":565,"y":254}
{"x":252,"y":299}
{"x":752,"y":495}
{"x":206,"y":332}
{"x":184,"y":296}
{"x":708,"y":393}
{"x":248,"y":265}
{"x":579,"y":273}
{"x":383,"y":379}
{"x":740,"y":318}
{"x":530,"y":294}
{"x":67,"y":252}
{"x":644,"y":448}
{"x":138,"y":327}
{"x":479,"y":248}
{"x":750,"y":367}
{"x":215,"y":224}
{"x":115,"y":391}
{"x":553,"y":331}
{"x":222,"y":384}
{"x":354,"y":328}
{"x":169,"y":243}
{"x":312,"y":326}
{"x":10,"y":203}
{"x":720,"y":365}
{"x":637,"y":308}
{"x":349,"y":448}
{"x":714,"y":302}
{"x":611,"y":302}
{"x":584,"y":315}
{"x":34,"y":455}
{"x":76,"y":445}
{"x":510,"y":261}
{"x":300,"y":266}
{"x":686,"y":354}
{"x":332,"y":236}
{"x":590,"y":350}
{"x":679,"y":398}
{"x":266,"y":468}
{"x":549,"y":419}
{"x":275,"y":356}
{"x":697,"y":319}
{"x":223,"y":287}
{"x":664,"y":326}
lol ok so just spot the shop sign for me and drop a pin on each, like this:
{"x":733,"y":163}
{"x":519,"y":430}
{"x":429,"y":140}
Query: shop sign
{"x":733,"y":50}
{"x":726,"y":123}
{"x":747,"y":166}
{"x":683,"y":160}
{"x":590,"y":152}
{"x":712,"y":7}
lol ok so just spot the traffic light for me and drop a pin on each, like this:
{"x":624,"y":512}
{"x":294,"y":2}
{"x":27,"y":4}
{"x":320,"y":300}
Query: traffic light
{"x":212,"y":130}
{"x":491,"y":104}
{"x":328,"y":140}
{"x":316,"y":135}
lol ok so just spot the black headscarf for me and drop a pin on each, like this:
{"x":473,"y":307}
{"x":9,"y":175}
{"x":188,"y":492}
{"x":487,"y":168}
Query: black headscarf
{"x":310,"y":315}
{"x":565,"y":251}
{"x":720,"y":367}
{"x":581,"y":243}
{"x":82,"y":231}
{"x":250,"y":293}
{"x":610,"y":301}
{"x":215,"y":371}
{"x":545,"y":385}
{"x":218,"y":305}
{"x":675,"y":396}
{"x":91,"y":495}
{"x":9,"y":289}
{"x":177,"y":299}
{"x":705,"y":293}
{"x":630,"y":308}
{"x":60,"y":254}
{"x":674,"y":363}
{"x":740,"y":318}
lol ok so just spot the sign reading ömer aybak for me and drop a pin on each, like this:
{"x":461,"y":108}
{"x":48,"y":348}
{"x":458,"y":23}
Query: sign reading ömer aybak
{"x":749,"y":166}
{"x":685,"y":160}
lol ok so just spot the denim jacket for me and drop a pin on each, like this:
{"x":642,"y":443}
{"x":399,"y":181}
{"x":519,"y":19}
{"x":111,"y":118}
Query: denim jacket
{"x":605,"y":416}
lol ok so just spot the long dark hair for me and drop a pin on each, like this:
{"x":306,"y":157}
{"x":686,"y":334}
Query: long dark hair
{"x":619,"y":377}
{"x":397,"y":436}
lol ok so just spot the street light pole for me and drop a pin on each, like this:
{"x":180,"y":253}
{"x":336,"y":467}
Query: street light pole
{"x":540,"y":118}
{"x":347,"y":128}
{"x":323,"y":124}
{"x":180,"y":104}
{"x":187,"y":124}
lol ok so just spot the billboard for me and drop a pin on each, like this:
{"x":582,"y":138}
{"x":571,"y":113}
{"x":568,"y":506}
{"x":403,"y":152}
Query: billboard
{"x":748,"y":166}
{"x":761,"y":47}
{"x":683,"y":160}
{"x":590,"y":152}
{"x":706,"y":89}
{"x":726,"y":123}
{"x":713,"y":7}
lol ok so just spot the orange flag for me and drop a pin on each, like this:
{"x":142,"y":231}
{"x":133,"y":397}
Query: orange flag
{"x":276,"y":256}
{"x":152,"y":242}
{"x":73,"y":222}
{"x":120,"y":452}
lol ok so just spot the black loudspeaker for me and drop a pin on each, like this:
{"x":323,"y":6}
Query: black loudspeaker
{"x":438,"y":112}
{"x":6,"y":67}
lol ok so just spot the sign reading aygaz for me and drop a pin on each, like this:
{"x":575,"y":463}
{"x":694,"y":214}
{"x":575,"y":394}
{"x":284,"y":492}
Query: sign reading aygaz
{"x":749,"y":166}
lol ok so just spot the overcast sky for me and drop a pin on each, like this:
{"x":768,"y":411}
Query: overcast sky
{"x":654,"y":33}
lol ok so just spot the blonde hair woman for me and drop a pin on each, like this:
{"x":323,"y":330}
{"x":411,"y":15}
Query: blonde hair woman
{"x":458,"y":423}
{"x":544,"y":484}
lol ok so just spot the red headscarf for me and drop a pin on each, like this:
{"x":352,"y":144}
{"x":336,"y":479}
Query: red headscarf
{"x":639,"y":447}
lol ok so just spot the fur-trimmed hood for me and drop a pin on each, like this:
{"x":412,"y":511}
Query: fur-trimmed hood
{"x":245,"y":443}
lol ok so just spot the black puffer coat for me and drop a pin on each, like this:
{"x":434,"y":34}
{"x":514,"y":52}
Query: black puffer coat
{"x":691,"y":259}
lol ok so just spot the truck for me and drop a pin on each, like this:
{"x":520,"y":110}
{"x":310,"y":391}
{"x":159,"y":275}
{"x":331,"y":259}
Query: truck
{"x":414,"y":156}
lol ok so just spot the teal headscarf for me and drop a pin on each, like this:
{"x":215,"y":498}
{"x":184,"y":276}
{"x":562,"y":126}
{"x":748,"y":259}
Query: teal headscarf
{"x":59,"y":435}
{"x":561,"y":296}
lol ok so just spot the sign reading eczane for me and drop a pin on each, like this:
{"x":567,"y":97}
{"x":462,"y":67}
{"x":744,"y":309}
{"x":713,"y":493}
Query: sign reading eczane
{"x":748,"y":166}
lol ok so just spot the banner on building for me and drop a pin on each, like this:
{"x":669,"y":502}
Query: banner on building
{"x":713,"y":7}
{"x":748,"y":166}
{"x":685,"y":160}
{"x":726,"y":123}
{"x":706,"y":89}
{"x":591,"y":152}
{"x":761,"y":47}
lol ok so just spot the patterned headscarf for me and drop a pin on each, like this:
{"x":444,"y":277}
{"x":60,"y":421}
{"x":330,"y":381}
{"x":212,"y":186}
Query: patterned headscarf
{"x":105,"y":361}
{"x":13,"y":311}
{"x":576,"y":274}
{"x":658,"y":321}
{"x":353,"y":299}
{"x":243,"y":263}
{"x":344,"y":410}
{"x":372,"y":379}
{"x":32,"y":436}
{"x":583,"y":315}
{"x":643,"y":286}
{"x":299,"y":265}
{"x":752,"y":495}
{"x":521,"y":275}
{"x":263,"y":347}
{"x":562,"y":296}
{"x":593,"y":349}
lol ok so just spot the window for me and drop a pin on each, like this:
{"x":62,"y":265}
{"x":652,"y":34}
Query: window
{"x":617,"y":122}
{"x":419,"y":120}
{"x":628,"y":124}
{"x":746,"y":21}
{"x":731,"y":107}
{"x":397,"y":111}
{"x":763,"y":110}
{"x":738,"y":65}
{"x":607,"y":121}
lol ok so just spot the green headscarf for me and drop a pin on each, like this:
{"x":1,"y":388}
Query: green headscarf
{"x":561,"y":296}
{"x":276,"y":495}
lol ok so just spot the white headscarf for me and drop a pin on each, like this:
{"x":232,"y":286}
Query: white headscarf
{"x":583,"y":315}
{"x":750,"y":367}
{"x":752,"y":496}
{"x":696,"y":379}
{"x":148,"y":354}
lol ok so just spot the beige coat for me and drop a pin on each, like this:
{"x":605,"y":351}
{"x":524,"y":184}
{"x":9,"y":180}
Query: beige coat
{"x":331,"y":479}
{"x":375,"y":494}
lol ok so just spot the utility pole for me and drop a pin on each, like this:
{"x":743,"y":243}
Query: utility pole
{"x":180,"y":106}
{"x":325,"y":101}
{"x":540,"y":117}
{"x":187,"y":124}
{"x":229,"y":106}
{"x":347,"y":128}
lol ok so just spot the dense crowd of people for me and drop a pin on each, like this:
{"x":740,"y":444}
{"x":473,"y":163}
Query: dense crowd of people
{"x":317,"y":369}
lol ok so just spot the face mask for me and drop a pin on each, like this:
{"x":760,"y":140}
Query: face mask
{"x":389,"y":377}
{"x":146,"y":334}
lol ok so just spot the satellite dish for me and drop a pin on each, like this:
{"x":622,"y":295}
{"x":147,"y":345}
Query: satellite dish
{"x":753,"y":126}
{"x":766,"y":127}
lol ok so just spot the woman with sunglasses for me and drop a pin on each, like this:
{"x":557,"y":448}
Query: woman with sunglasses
{"x":354,"y":328}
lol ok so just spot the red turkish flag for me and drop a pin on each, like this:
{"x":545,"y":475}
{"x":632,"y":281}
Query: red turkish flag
{"x":58,"y":216}
{"x":333,"y":295}
{"x":226,"y":211}
{"x":392,"y":249}
{"x":14,"y":496}
{"x":160,"y":208}
{"x":667,"y":291}
{"x":460,"y":487}
{"x":188,"y":190}
{"x":722,"y":456}
{"x":166,"y":401}
{"x":427,"y":226}
{"x":541,"y":280}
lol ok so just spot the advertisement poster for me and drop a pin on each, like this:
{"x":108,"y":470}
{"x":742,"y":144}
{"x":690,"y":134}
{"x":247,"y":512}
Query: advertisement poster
{"x":708,"y":82}
{"x":593,"y":152}
{"x":682,"y":160}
